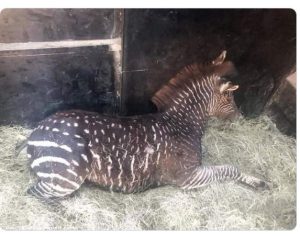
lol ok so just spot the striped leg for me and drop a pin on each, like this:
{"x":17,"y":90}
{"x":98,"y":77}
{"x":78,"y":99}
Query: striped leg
{"x":60,"y":172}
{"x":48,"y":190}
{"x":56,"y":180}
{"x":55,"y":185}
{"x":204,"y":175}
{"x":252,"y":182}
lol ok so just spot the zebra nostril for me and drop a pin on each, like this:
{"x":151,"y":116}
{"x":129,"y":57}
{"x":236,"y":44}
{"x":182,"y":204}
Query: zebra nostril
{"x":239,"y":115}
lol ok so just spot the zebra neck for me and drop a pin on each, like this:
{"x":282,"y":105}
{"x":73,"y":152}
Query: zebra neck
{"x":187,"y":118}
{"x":190,"y":108}
{"x":186,"y":124}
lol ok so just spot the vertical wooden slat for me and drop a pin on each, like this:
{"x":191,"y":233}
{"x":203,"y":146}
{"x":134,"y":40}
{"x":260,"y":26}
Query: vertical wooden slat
{"x":116,"y":49}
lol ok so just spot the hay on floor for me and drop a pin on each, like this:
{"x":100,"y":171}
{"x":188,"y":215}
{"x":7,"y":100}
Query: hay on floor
{"x":256,"y":146}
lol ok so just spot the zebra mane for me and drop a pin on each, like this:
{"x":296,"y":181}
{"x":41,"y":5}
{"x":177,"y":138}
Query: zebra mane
{"x":189,"y":74}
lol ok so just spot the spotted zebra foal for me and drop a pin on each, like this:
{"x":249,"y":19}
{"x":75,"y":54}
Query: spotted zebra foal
{"x":132,"y":154}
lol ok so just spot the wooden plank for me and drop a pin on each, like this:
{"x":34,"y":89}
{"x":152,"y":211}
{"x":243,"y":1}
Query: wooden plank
{"x":117,"y":57}
{"x":39,"y":25}
{"x":114,"y":43}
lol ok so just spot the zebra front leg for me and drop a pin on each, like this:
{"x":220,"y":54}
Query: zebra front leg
{"x":204,"y":175}
{"x":252,"y":182}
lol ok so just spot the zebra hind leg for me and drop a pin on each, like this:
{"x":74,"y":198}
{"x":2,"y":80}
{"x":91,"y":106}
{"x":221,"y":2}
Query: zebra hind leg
{"x":204,"y":175}
{"x":46,"y":191}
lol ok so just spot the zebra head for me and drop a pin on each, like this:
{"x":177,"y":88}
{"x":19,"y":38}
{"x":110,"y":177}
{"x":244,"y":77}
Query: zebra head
{"x":223,"y":105}
{"x":198,"y":91}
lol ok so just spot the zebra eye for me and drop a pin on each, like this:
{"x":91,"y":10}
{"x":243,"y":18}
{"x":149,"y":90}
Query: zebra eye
{"x":227,"y":94}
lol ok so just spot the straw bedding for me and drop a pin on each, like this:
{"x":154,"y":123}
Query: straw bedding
{"x":255,"y":145}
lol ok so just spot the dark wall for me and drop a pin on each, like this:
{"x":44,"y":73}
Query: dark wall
{"x":282,"y":106}
{"x":33,"y":87}
{"x":158,"y":43}
{"x":36,"y":83}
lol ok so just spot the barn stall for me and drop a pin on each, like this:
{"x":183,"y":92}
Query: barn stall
{"x":112,"y":61}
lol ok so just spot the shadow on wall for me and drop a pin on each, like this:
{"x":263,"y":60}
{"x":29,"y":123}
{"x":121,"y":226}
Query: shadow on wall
{"x":261,"y":43}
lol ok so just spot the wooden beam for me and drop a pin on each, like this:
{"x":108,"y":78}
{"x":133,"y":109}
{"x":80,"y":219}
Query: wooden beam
{"x":117,"y":53}
{"x":115,"y":44}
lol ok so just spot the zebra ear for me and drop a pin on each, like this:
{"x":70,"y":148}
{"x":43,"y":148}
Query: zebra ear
{"x":219,"y":60}
{"x":228,"y":87}
{"x":233,"y":88}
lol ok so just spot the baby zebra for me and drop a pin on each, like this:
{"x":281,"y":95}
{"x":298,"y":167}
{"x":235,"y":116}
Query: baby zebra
{"x":132,"y":154}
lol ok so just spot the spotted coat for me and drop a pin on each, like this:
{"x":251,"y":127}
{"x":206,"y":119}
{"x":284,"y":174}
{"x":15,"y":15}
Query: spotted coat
{"x":131,"y":154}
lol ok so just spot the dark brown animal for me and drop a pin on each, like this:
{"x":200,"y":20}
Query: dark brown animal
{"x":132,"y":154}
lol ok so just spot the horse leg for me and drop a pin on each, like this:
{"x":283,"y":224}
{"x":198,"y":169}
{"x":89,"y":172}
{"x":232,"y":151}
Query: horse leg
{"x":204,"y":175}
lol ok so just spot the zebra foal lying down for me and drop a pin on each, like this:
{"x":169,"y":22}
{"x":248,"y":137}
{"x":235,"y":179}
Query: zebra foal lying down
{"x":132,"y":154}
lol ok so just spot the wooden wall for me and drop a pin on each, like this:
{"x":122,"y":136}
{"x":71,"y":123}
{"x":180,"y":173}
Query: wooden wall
{"x":153,"y":45}
{"x":35,"y":83}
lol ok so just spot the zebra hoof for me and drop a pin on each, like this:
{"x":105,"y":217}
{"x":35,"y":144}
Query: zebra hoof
{"x":262,"y":185}
{"x":254,"y":183}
